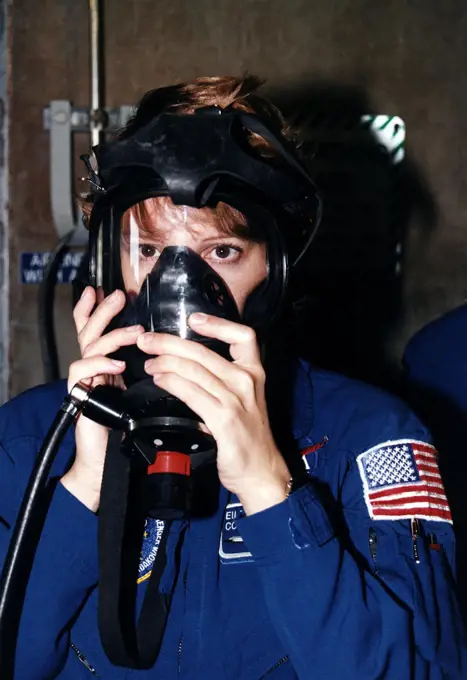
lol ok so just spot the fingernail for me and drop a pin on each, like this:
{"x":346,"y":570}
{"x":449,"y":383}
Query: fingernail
{"x":156,"y":376}
{"x":133,"y":329}
{"x":86,"y":292}
{"x":147,"y":364}
{"x":144,"y":338}
{"x":198,"y":317}
{"x":113,"y":296}
{"x":118,"y":363}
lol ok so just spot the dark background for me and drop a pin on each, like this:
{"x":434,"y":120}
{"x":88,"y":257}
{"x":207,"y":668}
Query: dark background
{"x":398,"y":57}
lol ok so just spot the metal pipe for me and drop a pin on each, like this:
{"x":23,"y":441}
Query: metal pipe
{"x":97,"y":117}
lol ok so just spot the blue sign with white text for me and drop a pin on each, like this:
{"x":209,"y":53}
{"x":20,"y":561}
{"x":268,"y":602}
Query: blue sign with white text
{"x":32,"y":266}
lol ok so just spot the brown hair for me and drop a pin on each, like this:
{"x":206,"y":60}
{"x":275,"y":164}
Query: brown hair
{"x":222,"y":91}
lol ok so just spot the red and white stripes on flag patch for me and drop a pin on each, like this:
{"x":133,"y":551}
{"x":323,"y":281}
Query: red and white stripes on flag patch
{"x":401,"y":480}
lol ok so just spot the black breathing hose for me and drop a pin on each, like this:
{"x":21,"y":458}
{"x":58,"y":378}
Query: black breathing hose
{"x":103,"y":405}
{"x":47,"y":339}
{"x":26,"y":534}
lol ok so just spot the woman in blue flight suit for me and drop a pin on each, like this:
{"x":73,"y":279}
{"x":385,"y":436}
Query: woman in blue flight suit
{"x":345,"y":572}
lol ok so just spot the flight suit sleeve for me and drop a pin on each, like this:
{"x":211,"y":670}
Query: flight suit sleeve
{"x":64,"y":569}
{"x":345,"y":610}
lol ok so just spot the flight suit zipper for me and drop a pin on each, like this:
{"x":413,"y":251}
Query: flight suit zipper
{"x":276,"y":665}
{"x":180,"y":645}
{"x":83,"y":660}
{"x":373,"y":545}
{"x":416,"y":533}
{"x":180,"y":642}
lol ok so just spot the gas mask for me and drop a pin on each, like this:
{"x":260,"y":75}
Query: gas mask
{"x":200,"y":160}
{"x":197,"y":160}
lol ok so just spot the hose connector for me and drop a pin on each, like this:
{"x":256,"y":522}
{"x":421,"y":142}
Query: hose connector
{"x":102,"y":404}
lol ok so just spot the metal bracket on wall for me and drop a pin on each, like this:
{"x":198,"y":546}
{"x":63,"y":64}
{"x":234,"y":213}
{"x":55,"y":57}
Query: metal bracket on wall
{"x":62,"y":120}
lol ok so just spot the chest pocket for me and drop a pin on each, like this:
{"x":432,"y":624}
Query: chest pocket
{"x":417,"y":569}
{"x":427,"y":559}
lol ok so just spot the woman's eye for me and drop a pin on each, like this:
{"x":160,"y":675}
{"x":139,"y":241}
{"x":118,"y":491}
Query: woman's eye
{"x":148,"y":250}
{"x":225,"y":252}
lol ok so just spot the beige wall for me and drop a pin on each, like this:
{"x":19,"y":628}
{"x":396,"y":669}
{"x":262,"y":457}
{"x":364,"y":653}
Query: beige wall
{"x":407,"y":56}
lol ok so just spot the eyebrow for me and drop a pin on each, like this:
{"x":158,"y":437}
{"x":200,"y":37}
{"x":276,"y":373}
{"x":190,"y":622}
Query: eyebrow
{"x":225,"y":237}
{"x":238,"y":231}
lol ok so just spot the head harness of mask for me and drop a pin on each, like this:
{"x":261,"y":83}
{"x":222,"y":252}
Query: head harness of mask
{"x":200,"y":160}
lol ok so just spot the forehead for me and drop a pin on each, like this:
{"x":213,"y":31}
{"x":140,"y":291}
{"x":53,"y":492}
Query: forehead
{"x":159,"y":215}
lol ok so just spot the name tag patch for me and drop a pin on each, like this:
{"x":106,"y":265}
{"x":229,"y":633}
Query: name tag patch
{"x":232,"y":548}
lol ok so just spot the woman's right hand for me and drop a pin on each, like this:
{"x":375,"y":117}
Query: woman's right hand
{"x":84,"y":478}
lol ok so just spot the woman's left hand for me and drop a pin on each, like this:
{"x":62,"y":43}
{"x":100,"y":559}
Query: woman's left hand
{"x":230,"y":399}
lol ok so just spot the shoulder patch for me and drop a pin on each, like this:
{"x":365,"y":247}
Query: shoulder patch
{"x":401,"y":480}
{"x":153,"y":529}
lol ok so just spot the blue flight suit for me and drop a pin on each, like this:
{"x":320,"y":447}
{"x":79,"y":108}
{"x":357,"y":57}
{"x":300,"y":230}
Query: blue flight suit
{"x":435,"y":361}
{"x":334,"y":583}
{"x":437,"y":357}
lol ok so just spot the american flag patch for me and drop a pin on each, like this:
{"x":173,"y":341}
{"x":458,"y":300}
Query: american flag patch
{"x":401,"y":480}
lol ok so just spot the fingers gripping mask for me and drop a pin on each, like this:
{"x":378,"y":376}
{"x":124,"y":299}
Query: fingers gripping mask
{"x":180,"y":284}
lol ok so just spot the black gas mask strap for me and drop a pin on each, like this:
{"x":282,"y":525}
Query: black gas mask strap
{"x":254,"y":124}
{"x":282,"y":146}
{"x":121,"y":521}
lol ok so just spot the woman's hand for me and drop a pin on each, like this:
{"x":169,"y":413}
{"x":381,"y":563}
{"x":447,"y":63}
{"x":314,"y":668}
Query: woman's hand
{"x":230,"y":398}
{"x":84,"y":479}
